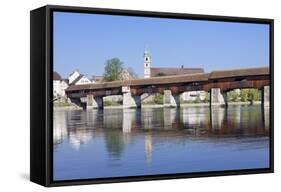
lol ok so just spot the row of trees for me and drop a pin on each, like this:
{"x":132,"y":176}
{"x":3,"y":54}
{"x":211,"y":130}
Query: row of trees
{"x":244,"y":95}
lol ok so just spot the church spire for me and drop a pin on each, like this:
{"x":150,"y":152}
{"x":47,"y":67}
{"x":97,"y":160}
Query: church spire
{"x":147,"y":63}
{"x":146,"y":49}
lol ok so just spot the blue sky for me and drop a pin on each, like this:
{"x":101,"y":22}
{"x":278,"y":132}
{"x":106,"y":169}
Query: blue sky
{"x":85,"y":41}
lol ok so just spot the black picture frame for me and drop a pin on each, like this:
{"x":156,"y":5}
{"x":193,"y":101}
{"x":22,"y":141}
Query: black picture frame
{"x":41,"y":74}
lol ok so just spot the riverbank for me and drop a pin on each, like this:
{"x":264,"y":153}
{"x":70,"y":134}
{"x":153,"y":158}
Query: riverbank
{"x":65,"y":106}
{"x":74,"y":107}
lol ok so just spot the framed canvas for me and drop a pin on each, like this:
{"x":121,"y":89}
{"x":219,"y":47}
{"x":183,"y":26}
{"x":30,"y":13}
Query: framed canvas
{"x":125,"y":95}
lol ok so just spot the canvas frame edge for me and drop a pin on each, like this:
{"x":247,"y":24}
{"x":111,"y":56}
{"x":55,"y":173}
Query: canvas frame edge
{"x":45,"y":102}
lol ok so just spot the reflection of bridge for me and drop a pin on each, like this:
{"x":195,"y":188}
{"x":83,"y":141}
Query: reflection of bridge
{"x":119,"y":126}
{"x":216,"y":82}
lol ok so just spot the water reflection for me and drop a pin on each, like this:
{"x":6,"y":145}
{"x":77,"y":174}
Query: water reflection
{"x":147,"y":136}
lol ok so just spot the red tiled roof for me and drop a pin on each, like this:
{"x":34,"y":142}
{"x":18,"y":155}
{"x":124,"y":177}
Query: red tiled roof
{"x":98,"y":78}
{"x":56,"y":76}
{"x":174,"y":71}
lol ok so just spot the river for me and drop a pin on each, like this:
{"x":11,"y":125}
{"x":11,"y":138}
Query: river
{"x":128,"y":142}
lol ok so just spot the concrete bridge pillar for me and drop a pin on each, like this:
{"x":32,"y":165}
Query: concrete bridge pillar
{"x":97,"y":102}
{"x":92,"y":102}
{"x":129,"y":100}
{"x":171,"y":100}
{"x":266,"y":96}
{"x":77,"y":102}
{"x":217,"y":97}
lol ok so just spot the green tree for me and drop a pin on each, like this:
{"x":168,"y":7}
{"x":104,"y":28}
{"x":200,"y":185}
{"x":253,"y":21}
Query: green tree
{"x":244,"y":94}
{"x":207,"y":97}
{"x":254,"y":95}
{"x":233,"y":96}
{"x":197,"y":99}
{"x":158,"y":98}
{"x":250,"y":95}
{"x":112,"y":70}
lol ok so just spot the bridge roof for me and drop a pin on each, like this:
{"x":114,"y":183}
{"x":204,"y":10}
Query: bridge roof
{"x":239,"y":73}
{"x":174,"y":79}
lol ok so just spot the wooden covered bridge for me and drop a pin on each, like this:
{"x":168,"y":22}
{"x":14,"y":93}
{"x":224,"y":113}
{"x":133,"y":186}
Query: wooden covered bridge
{"x":218,"y":83}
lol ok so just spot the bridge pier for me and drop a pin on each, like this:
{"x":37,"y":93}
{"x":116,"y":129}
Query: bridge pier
{"x":266,"y":96}
{"x":171,"y":100}
{"x":77,"y":102}
{"x":217,"y":97}
{"x":129,"y":100}
{"x":92,"y":102}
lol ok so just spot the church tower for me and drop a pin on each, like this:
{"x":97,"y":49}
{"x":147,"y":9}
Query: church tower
{"x":146,"y":64}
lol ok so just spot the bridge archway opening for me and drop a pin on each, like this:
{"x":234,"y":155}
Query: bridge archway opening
{"x":113,"y":100}
{"x":152,"y":98}
{"x":195,"y":97}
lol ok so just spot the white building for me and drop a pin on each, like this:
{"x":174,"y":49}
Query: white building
{"x":59,"y":86}
{"x":76,"y":78}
